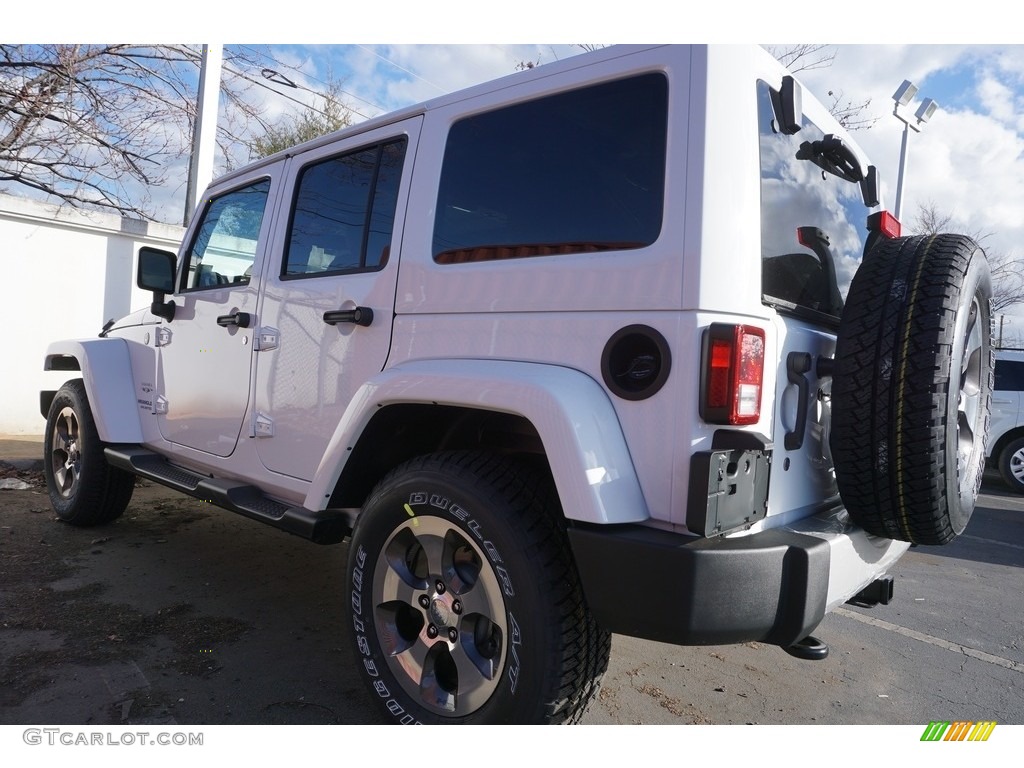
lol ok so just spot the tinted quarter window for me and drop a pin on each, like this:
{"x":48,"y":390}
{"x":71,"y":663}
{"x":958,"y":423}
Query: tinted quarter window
{"x":344,"y":212}
{"x":1010,"y":375}
{"x":224,"y":247}
{"x":575,"y":172}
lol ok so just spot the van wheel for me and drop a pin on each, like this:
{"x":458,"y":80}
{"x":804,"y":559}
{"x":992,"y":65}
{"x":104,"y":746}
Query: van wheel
{"x":1011,"y":465}
{"x":912,"y":388}
{"x":84,"y":490}
{"x":466,"y":604}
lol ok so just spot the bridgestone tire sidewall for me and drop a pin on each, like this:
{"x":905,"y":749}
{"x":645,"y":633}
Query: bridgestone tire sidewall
{"x":897,"y":383}
{"x":533,"y":629}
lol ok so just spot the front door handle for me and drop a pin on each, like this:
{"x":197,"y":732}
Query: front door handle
{"x":360,"y":316}
{"x":241,"y":319}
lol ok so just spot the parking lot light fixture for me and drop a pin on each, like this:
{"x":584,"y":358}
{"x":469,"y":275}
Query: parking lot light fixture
{"x":902,"y":98}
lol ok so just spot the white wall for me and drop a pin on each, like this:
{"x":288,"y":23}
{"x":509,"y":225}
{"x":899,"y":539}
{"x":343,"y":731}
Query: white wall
{"x":63,"y":274}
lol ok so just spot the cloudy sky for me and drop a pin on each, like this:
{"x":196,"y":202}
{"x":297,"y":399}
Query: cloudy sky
{"x":968,"y":162}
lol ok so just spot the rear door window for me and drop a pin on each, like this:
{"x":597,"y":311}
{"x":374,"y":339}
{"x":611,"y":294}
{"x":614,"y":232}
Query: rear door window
{"x":344,"y":212}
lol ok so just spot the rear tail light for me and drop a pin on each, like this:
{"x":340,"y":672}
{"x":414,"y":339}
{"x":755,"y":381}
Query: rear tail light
{"x":732,"y":374}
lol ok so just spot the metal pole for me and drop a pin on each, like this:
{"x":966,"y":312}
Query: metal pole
{"x":204,"y":134}
{"x":903,"y":169}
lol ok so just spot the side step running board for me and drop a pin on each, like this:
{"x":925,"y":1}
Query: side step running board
{"x":327,"y":526}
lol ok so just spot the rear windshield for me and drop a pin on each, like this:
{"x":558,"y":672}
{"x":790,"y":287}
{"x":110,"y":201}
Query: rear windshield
{"x":813,"y":223}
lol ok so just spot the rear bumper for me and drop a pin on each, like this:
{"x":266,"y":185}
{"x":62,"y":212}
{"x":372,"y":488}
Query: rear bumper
{"x":774,"y":586}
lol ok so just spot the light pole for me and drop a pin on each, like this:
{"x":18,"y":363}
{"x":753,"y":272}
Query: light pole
{"x":204,"y":132}
{"x":903,"y":96}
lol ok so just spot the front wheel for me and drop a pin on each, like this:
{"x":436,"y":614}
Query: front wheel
{"x":466,"y":603}
{"x":84,"y":490}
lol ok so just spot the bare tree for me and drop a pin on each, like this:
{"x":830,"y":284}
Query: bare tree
{"x":331,"y":115}
{"x":96,"y":125}
{"x":852,"y":115}
{"x":1007,"y":270}
{"x":797,"y":58}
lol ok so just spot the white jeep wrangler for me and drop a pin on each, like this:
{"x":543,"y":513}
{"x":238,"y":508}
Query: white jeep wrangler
{"x":574,"y":352}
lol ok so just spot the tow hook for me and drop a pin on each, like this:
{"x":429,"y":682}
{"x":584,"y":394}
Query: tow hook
{"x":808,"y":649}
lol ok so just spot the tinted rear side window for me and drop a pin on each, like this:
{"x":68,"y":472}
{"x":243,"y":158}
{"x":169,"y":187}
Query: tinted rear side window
{"x":1010,"y":375}
{"x":344,"y":212}
{"x":576,"y":172}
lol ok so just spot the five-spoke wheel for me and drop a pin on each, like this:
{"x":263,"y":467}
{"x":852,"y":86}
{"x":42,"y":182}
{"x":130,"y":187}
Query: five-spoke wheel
{"x":466,"y":603}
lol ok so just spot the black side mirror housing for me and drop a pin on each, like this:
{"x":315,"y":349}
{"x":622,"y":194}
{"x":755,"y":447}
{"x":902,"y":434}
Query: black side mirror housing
{"x":156,"y":274}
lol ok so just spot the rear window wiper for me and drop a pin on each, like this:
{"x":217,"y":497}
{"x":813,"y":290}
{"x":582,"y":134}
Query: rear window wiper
{"x":832,"y":156}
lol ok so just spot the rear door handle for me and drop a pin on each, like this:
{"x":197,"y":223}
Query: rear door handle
{"x":241,"y":319}
{"x":360,"y":316}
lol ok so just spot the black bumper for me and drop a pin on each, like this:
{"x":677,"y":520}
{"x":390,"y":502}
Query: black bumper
{"x":769,"y":587}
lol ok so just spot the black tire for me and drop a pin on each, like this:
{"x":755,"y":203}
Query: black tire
{"x":466,"y":544}
{"x":84,"y":490}
{"x":912,"y":388}
{"x":1011,"y":465}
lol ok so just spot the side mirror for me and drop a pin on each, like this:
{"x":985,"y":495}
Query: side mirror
{"x":156,"y":274}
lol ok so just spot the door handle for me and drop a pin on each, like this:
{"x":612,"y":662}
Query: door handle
{"x":241,"y":319}
{"x":360,"y":316}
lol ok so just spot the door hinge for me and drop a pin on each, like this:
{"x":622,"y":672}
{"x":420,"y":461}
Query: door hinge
{"x":266,"y":338}
{"x":163,"y":336}
{"x":159,"y":404}
{"x":262,"y":425}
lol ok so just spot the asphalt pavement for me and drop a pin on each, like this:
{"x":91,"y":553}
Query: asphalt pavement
{"x":182,"y":613}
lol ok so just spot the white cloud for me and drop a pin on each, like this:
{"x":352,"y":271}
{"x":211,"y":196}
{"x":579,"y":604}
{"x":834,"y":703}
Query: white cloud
{"x":395,"y":76}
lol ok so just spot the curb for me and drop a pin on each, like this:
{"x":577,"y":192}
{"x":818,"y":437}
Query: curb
{"x":23,"y":465}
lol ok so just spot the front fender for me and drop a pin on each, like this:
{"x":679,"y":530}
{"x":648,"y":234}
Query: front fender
{"x":107,"y":371}
{"x":573,"y":415}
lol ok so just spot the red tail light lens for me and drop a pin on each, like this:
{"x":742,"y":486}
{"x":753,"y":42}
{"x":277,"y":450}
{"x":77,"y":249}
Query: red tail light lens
{"x":886,"y":224}
{"x":733,"y":372}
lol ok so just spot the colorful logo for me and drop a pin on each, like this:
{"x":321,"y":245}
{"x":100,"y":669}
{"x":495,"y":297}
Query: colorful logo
{"x":960,"y":730}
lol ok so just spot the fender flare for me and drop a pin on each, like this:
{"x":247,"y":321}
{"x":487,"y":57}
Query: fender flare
{"x":571,"y":412}
{"x":109,"y":384}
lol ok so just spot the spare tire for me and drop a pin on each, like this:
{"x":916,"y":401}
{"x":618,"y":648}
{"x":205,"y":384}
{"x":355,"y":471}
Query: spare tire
{"x":912,"y":387}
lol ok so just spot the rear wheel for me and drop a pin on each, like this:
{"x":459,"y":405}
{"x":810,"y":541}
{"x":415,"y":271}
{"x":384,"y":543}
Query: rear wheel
{"x":84,"y":490}
{"x":466,"y":603}
{"x":912,"y":388}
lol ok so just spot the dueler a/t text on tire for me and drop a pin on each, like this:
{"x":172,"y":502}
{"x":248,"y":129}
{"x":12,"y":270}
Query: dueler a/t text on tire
{"x":465,"y":601}
{"x":84,"y":490}
{"x":912,"y":388}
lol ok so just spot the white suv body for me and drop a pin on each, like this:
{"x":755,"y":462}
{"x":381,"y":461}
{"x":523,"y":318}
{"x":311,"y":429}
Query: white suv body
{"x":404,"y":288}
{"x":1006,"y":452}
